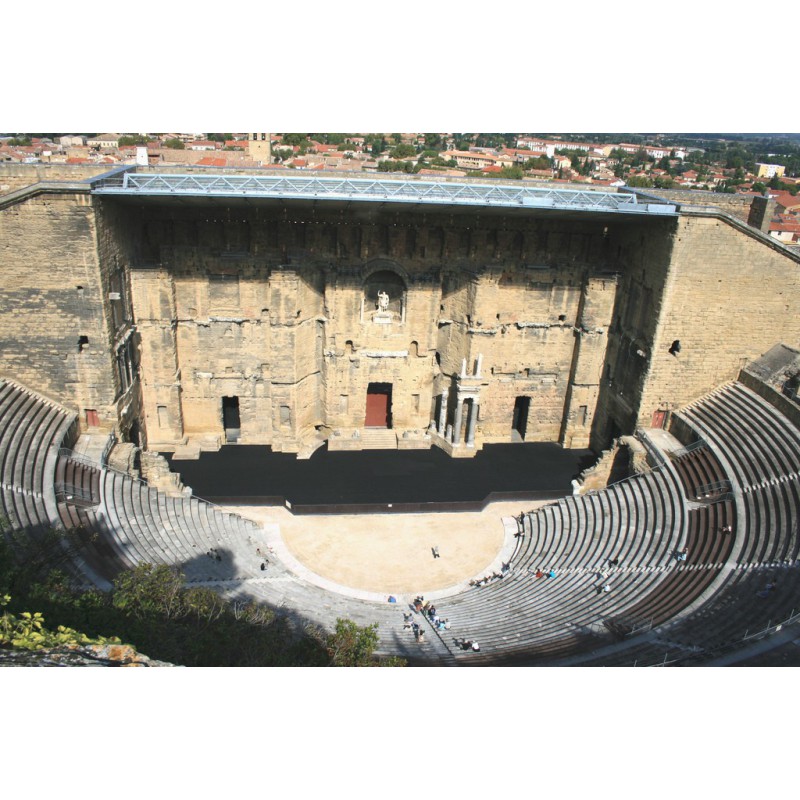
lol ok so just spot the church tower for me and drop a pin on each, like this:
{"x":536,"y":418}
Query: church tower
{"x":258,"y":146}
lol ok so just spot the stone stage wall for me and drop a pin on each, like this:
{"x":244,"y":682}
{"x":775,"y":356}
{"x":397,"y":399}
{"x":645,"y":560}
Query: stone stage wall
{"x":151,"y":317}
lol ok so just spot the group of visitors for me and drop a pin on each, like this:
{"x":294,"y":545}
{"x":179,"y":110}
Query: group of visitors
{"x":427,"y":609}
{"x":486,"y":579}
{"x":539,"y":574}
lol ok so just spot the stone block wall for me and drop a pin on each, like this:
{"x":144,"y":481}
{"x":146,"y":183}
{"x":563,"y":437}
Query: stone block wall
{"x":17,"y":176}
{"x":277,"y":306}
{"x":730,"y":297}
{"x":54,"y":333}
{"x":277,"y":309}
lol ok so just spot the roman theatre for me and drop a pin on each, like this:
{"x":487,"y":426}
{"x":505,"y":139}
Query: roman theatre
{"x":567,"y":416}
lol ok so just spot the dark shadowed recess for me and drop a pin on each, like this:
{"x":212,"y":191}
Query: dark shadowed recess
{"x":250,"y":474}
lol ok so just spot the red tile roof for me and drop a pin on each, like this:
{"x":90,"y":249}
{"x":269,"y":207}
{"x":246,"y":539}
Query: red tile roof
{"x":210,"y":161}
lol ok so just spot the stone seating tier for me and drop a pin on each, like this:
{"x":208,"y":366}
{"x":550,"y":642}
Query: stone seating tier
{"x":31,"y":429}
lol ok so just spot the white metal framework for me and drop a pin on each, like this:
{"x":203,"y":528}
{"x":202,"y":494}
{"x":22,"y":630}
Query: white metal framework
{"x":367,"y":189}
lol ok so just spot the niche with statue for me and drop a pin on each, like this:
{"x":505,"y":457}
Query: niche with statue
{"x":384,"y":300}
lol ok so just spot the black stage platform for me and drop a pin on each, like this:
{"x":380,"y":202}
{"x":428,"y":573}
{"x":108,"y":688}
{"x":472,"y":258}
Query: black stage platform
{"x":366,"y":480}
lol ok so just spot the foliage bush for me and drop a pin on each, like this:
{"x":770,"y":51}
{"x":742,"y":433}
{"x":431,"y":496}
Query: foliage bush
{"x":153,"y":609}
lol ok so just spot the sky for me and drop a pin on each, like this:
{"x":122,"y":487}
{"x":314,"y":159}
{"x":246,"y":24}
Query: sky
{"x":416,"y":67}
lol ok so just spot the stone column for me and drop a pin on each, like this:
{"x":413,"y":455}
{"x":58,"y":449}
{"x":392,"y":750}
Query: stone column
{"x":443,"y":412}
{"x":472,"y":423}
{"x":457,"y":421}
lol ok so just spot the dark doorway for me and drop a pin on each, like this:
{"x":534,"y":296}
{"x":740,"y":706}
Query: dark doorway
{"x":231,"y":420}
{"x":519,"y":422}
{"x":379,"y":406}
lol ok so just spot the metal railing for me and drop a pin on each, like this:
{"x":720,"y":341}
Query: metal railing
{"x":708,"y":490}
{"x":718,"y":651}
{"x":690,"y":448}
{"x":66,"y":453}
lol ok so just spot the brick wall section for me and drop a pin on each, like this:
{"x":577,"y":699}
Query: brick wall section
{"x":276,"y":305}
{"x":277,"y":310}
{"x":17,"y":176}
{"x":738,"y":205}
{"x":730,"y":297}
{"x":51,"y":293}
{"x":642,"y":257}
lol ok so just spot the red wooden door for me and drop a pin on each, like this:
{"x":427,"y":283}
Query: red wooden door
{"x":659,"y":418}
{"x":377,"y":410}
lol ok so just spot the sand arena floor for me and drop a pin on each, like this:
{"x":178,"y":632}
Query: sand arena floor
{"x":382,"y":554}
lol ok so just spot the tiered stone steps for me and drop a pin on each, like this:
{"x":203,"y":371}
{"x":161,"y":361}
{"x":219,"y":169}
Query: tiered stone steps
{"x":761,"y":451}
{"x":639,"y":522}
{"x":679,"y":612}
{"x":378,"y":439}
{"x":31,"y":430}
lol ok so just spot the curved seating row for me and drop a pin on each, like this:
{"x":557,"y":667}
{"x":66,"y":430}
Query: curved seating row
{"x":31,"y":430}
{"x":133,"y":523}
{"x":762,"y":451}
{"x":639,"y":523}
{"x":701,"y":474}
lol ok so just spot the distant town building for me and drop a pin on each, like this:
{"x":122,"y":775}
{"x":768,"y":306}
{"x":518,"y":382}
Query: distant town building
{"x":770,"y":170}
{"x":104,"y":141}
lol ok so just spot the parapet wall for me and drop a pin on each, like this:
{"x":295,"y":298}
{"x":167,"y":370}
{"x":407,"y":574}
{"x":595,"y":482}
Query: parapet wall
{"x":738,"y":205}
{"x":17,"y":176}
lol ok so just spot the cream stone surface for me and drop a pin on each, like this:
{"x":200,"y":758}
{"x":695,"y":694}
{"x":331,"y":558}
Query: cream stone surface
{"x":391,"y":553}
{"x":152,"y":315}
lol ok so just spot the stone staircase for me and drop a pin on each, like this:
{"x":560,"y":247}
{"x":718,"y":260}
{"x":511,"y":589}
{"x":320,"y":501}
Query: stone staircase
{"x":378,"y":439}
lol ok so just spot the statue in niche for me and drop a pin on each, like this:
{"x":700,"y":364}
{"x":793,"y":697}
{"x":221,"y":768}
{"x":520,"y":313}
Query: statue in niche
{"x":383,"y":302}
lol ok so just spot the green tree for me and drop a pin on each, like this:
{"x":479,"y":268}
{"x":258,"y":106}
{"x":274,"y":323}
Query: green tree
{"x":403,"y":151}
{"x":149,"y":590}
{"x":136,"y":139}
{"x":664,"y":183}
{"x":175,"y":144}
{"x":378,"y":146}
{"x":351,"y":645}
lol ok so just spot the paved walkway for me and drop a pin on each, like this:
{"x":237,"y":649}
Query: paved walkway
{"x":371,"y":556}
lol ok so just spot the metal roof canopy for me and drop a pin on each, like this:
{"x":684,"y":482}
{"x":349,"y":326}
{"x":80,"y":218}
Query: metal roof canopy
{"x":303,"y":187}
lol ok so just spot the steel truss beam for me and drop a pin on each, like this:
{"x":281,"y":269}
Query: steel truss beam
{"x":399,"y":191}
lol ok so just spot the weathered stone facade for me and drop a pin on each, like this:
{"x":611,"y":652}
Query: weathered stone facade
{"x":286,"y":323}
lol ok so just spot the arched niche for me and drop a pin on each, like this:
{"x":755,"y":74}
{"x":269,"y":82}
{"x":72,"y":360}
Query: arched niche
{"x":384,"y":296}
